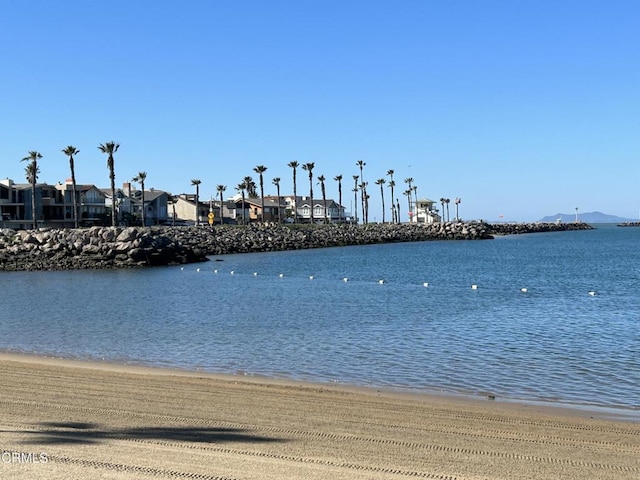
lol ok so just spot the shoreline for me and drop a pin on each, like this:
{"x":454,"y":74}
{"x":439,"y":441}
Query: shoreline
{"x":63,"y":419}
{"x":616,"y":413}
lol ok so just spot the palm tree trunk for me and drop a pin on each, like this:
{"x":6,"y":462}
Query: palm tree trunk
{"x":144,"y":224}
{"x":73,"y":191}
{"x":114,"y":212}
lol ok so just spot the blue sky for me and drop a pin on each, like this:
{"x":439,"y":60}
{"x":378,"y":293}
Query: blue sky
{"x":520,"y":108}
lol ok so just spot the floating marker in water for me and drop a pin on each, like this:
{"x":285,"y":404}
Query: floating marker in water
{"x":381,"y":282}
{"x":181,"y":268}
{"x":255,"y":274}
{"x":474,"y":287}
{"x":281,"y":275}
{"x":345,"y":279}
{"x":310,"y":277}
{"x":523,"y":290}
{"x":197,"y":269}
{"x":215,"y":271}
{"x":592,"y":293}
{"x":232,"y":272}
{"x":425,"y":284}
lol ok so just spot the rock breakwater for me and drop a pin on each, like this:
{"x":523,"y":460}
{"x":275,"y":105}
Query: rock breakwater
{"x":107,"y":247}
{"x":92,"y":248}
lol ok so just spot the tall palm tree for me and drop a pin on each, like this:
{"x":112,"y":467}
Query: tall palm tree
{"x":442,"y":219}
{"x":363,"y":193}
{"x":397,"y":209}
{"x":110,"y":148}
{"x":241,"y":187}
{"x":407,"y":193}
{"x":32,"y":171}
{"x":294,"y":165}
{"x":457,"y":202}
{"x":363,"y":197}
{"x":70,"y":151}
{"x":196,"y":183}
{"x":260,"y":169}
{"x":392,"y":184}
{"x":446,"y":201}
{"x":276,"y":182}
{"x":409,"y":182}
{"x":308,"y":167}
{"x":338,"y":178}
{"x":381,"y":182}
{"x":321,"y":180}
{"x":140,"y":178}
{"x":415,"y":205}
{"x":355,"y":196}
{"x":221,"y":189}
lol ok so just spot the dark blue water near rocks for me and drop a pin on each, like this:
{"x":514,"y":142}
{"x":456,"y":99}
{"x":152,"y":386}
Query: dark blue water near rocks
{"x":554,"y":342}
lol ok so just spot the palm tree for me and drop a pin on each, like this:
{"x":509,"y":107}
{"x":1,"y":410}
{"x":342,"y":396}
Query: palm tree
{"x":381,"y":182}
{"x":408,"y":195}
{"x":442,"y":219}
{"x":110,"y":148}
{"x":196,"y":183}
{"x":321,"y":179}
{"x":140,"y":178}
{"x":415,"y":205}
{"x":447,"y":200}
{"x":32,"y":171}
{"x":363,"y":193}
{"x":392,"y":184}
{"x":70,"y":151}
{"x":355,"y":196}
{"x":338,"y":178}
{"x":294,"y":165}
{"x":397,"y":209}
{"x":363,"y":196}
{"x":276,"y":182}
{"x":250,"y":186}
{"x":309,"y":168}
{"x":221,"y":189}
{"x":260,"y":169}
{"x":241,"y":187}
{"x":457,"y":202}
{"x":409,"y":182}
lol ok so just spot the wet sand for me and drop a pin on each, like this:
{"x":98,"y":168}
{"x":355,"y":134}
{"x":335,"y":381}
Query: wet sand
{"x":62,"y":419}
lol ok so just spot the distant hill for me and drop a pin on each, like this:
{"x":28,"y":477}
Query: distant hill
{"x":587,"y":217}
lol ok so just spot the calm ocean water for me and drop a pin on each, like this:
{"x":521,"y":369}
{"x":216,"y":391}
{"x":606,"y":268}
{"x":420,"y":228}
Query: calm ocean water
{"x":554,"y":342}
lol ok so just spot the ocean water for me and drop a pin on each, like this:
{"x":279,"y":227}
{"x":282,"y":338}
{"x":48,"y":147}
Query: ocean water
{"x":555,"y":342}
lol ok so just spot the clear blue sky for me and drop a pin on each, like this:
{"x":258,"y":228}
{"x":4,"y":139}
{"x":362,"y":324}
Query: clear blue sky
{"x":521,"y":108}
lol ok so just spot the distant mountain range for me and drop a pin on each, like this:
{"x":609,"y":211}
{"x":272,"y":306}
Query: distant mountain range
{"x":587,"y":217}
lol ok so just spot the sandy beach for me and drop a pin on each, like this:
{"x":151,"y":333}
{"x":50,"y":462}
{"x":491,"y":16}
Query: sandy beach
{"x":63,"y":419}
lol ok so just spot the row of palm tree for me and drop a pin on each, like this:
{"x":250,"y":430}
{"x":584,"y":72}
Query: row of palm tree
{"x":32,"y":170}
{"x":247,"y":185}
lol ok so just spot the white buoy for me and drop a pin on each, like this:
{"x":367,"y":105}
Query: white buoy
{"x":345,"y":279}
{"x":381,"y":282}
{"x":310,"y":277}
{"x":281,"y":275}
{"x":215,"y":271}
{"x":425,"y":284}
{"x":255,"y":274}
{"x":592,"y":293}
{"x":474,"y":287}
{"x":181,"y":268}
{"x":232,"y":272}
{"x":197,"y":269}
{"x":523,"y":290}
